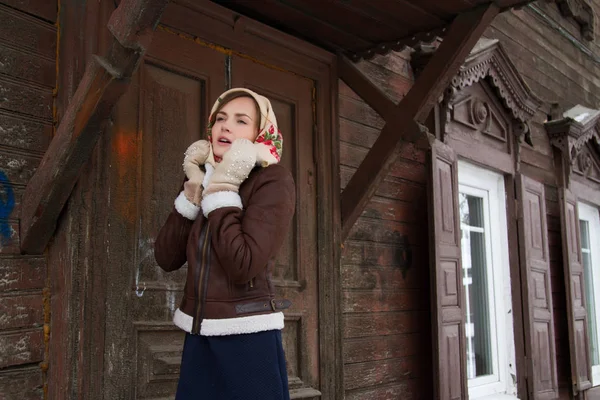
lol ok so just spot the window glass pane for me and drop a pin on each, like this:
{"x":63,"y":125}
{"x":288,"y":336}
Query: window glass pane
{"x":589,"y":291}
{"x":585,"y":235}
{"x":471,"y":210}
{"x":478,"y":332}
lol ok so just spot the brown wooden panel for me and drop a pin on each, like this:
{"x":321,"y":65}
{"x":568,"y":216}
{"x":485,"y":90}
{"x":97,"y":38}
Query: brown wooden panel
{"x":373,"y":266}
{"x":383,"y":301}
{"x":28,"y":32}
{"x":535,"y":280}
{"x":575,"y":293}
{"x":24,"y":133}
{"x":23,"y":347}
{"x":449,"y":364}
{"x":28,"y":66}
{"x":167,"y":131}
{"x":384,"y":347}
{"x":390,"y":232}
{"x":46,"y":9}
{"x":22,"y":384}
{"x":22,"y":274}
{"x":26,"y":100}
{"x":366,"y":374}
{"x":381,"y":324}
{"x":414,"y":389}
{"x":391,"y":187}
{"x":21,"y":311}
{"x":158,"y":357}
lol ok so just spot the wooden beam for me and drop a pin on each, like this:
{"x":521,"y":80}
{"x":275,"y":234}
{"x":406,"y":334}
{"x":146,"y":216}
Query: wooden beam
{"x":365,"y":88}
{"x":403,"y":123}
{"x":105,"y":80}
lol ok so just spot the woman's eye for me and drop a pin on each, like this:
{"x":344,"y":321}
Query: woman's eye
{"x":242,"y":122}
{"x":219,"y":118}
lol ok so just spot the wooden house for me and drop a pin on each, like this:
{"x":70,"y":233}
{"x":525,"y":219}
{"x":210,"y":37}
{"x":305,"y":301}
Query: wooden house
{"x":446,"y":242}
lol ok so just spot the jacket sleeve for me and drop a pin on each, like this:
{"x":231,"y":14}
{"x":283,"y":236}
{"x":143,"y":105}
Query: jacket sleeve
{"x":245,"y":240}
{"x":170,"y":246}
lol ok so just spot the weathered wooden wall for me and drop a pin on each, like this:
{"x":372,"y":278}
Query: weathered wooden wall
{"x":558,"y":71}
{"x":384,"y":264}
{"x":386,"y":328}
{"x":27,"y":80}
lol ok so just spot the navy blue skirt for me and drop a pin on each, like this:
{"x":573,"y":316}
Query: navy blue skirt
{"x":235,"y":367}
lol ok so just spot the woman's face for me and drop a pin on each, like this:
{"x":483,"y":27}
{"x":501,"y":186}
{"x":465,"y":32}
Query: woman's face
{"x":236,"y":120}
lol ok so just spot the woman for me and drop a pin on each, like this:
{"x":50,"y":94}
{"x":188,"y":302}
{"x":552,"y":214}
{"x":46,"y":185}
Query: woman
{"x":228,"y":223}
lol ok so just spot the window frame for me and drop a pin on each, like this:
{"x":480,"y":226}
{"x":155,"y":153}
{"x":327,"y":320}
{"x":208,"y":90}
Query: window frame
{"x":475,"y":180}
{"x":586,"y":213}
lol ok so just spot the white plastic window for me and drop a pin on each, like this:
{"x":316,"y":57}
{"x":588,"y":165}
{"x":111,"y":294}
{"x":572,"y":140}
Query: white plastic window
{"x":589,"y":224}
{"x":486,"y":279}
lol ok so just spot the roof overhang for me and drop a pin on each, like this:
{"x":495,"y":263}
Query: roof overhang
{"x":360,"y":29}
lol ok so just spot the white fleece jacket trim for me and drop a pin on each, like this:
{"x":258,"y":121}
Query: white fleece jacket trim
{"x":212,"y":201}
{"x":186,"y":207}
{"x":231,"y":326}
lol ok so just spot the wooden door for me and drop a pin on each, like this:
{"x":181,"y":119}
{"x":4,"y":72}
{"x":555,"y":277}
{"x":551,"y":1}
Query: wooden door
{"x":165,"y":110}
{"x":295,"y":274}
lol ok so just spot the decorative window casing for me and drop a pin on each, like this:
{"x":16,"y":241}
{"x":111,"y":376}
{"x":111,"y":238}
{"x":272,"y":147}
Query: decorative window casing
{"x":576,"y":141}
{"x":483,"y":119}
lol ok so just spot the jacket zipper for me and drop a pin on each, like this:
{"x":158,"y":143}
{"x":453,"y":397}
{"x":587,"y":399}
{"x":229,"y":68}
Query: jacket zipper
{"x":201,"y":275}
{"x":251,"y":282}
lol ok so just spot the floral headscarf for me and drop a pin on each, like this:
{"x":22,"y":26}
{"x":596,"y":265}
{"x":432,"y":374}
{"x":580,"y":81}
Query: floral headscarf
{"x":269,"y":139}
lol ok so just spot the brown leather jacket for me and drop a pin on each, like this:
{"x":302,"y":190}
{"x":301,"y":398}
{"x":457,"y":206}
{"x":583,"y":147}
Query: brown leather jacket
{"x":230,"y":254}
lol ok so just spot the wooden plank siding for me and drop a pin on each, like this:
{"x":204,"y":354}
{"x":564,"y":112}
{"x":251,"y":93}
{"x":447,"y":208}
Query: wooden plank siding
{"x":27,"y":81}
{"x":385,"y":300}
{"x":386,"y":336}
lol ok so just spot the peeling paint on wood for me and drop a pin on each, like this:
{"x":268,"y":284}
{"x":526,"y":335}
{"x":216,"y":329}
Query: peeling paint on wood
{"x":22,"y":274}
{"x":22,"y":133}
{"x":16,"y":169}
{"x":21,"y":311}
{"x":21,"y":348}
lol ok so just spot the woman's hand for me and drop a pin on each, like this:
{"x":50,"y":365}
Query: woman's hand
{"x":234,"y":168}
{"x":195,"y":156}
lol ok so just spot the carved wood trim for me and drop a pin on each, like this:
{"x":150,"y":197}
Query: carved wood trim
{"x":488,"y":60}
{"x":573,"y":140}
{"x":582,"y":13}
